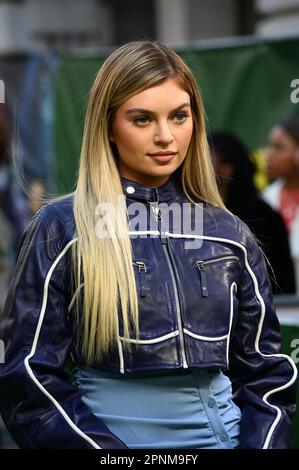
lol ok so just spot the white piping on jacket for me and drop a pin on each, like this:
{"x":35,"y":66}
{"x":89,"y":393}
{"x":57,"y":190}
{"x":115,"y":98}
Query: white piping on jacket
{"x":231,"y":316}
{"x":259,"y":330}
{"x":33,"y":349}
{"x":141,"y":341}
{"x":121,"y":356}
{"x":120,"y":351}
{"x":204,"y":338}
{"x":145,"y":232}
{"x":151,"y":341}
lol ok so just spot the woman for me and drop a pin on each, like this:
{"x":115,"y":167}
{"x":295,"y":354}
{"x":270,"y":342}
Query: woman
{"x":283,"y":166}
{"x":235,"y":173}
{"x":140,"y":349}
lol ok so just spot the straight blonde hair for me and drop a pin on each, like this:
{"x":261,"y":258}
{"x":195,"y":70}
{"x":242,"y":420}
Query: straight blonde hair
{"x":103,"y":267}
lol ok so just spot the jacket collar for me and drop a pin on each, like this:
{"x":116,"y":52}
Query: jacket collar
{"x":168,"y":192}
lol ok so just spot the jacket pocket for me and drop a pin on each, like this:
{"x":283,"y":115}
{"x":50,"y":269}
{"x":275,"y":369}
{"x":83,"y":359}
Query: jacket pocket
{"x":201,"y":267}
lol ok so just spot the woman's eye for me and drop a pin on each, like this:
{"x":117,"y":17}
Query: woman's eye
{"x":141,"y":120}
{"x":181,"y":116}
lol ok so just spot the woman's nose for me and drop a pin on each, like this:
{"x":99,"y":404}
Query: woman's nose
{"x":163,"y":134}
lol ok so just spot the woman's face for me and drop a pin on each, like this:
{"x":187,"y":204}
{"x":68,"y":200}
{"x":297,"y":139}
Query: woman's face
{"x":152,"y":131}
{"x":281,"y":151}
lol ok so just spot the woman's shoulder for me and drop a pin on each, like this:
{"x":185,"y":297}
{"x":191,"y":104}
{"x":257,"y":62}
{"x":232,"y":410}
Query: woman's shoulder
{"x":220,"y":223}
{"x":220,"y":218}
{"x":58,"y":209}
{"x":54,"y":221}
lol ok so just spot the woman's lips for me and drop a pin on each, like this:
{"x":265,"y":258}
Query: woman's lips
{"x":163,"y":157}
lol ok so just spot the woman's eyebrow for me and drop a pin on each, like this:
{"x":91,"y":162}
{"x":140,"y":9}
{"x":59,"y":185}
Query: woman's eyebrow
{"x":148,"y":111}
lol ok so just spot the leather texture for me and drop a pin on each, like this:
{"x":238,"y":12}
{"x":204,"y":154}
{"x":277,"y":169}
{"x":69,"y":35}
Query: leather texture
{"x":209,"y":306}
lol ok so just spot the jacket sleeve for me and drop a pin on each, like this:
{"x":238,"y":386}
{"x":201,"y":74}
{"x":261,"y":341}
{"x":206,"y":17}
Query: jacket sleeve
{"x":38,"y":402}
{"x":263,"y":379}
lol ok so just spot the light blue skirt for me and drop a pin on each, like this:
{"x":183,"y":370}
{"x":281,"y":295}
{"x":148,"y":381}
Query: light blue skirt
{"x":182,"y":408}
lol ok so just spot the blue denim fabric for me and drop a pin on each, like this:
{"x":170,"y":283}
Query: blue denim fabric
{"x":184,"y":408}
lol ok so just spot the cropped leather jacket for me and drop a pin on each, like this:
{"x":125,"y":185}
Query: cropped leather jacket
{"x":205,"y":301}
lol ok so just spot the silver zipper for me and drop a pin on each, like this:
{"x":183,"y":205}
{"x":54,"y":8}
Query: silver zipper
{"x":204,"y":262}
{"x":157,"y":215}
{"x":164,"y":242}
{"x":178,"y":308}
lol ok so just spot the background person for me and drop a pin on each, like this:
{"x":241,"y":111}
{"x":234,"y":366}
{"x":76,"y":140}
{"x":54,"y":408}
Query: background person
{"x":235,"y":177}
{"x":283,"y":167}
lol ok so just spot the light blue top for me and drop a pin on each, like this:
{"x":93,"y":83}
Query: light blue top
{"x":181,"y":408}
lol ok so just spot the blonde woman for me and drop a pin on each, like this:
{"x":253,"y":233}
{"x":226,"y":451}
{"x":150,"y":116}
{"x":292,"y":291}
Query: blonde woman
{"x":140,"y":312}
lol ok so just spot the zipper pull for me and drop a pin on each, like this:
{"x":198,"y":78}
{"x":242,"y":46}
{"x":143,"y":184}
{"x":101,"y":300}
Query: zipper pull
{"x":203,"y":278}
{"x":163,"y":235}
{"x":143,"y":284}
{"x":156,"y":211}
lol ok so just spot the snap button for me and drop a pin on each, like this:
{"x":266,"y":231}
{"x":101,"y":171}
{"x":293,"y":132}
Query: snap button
{"x":211,"y":403}
{"x":130,"y":190}
{"x":223,"y":437}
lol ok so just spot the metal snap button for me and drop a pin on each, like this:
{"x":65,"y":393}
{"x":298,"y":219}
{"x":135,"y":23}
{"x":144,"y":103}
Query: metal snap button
{"x":130,"y":190}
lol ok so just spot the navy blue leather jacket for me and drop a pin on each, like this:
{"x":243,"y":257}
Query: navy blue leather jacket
{"x":209,"y":306}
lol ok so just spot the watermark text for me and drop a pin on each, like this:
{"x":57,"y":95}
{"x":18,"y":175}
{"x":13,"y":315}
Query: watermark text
{"x":294,"y":96}
{"x":152,"y":220}
{"x":295,"y":352}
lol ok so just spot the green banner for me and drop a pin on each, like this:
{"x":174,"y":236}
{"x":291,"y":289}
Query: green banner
{"x":246,"y":89}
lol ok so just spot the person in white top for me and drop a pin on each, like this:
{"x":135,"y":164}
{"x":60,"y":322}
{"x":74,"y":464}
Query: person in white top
{"x":283,"y":167}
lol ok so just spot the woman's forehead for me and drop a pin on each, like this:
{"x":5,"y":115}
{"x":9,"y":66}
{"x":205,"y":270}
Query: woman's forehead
{"x":167,"y":94}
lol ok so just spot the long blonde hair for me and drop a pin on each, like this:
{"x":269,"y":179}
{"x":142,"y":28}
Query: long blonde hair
{"x":105,"y":265}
